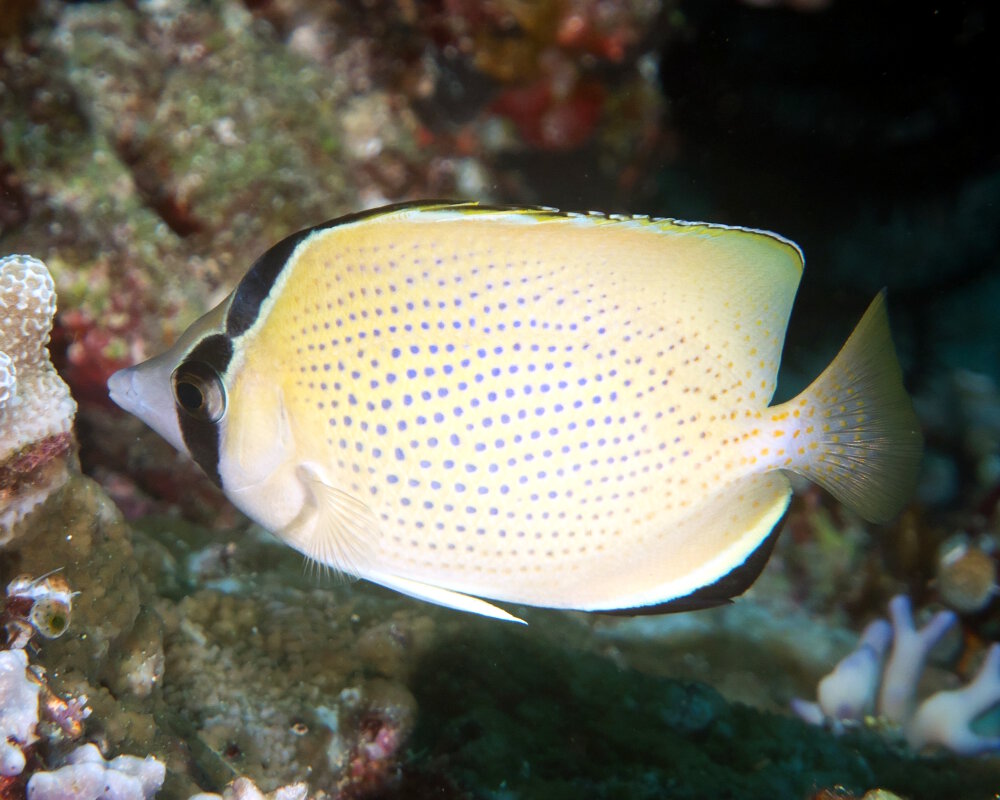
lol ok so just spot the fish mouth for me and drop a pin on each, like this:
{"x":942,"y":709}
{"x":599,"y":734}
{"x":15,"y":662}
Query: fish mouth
{"x":122,"y":391}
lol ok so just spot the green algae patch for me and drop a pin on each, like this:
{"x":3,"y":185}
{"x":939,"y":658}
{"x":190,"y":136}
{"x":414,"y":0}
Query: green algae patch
{"x":502,"y":711}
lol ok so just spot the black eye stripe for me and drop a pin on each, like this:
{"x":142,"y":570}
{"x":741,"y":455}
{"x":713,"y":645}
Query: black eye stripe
{"x":215,"y":350}
{"x":200,"y":436}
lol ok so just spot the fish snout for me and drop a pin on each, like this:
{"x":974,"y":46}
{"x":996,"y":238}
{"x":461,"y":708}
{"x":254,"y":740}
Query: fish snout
{"x":144,"y":391}
{"x":122,"y":390}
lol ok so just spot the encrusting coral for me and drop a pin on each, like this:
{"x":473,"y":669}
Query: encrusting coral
{"x":246,"y":789}
{"x":866,"y":683}
{"x":36,"y":410}
{"x":87,"y":776}
{"x":18,"y":711}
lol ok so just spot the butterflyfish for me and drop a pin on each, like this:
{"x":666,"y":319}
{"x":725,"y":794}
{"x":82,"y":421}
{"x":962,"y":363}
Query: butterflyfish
{"x":468,"y":403}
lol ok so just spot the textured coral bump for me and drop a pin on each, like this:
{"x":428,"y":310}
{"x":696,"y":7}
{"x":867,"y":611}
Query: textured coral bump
{"x":36,"y":410}
{"x":865,"y":683}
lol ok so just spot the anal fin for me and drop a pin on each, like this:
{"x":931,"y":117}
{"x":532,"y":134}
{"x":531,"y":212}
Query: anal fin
{"x":719,"y":593}
{"x":708,"y":557}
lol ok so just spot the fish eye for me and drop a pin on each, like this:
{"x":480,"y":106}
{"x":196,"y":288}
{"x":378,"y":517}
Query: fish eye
{"x":198,"y":390}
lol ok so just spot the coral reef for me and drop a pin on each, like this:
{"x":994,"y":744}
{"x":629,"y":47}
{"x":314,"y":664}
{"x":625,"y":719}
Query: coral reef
{"x":36,"y":410}
{"x":87,"y":776}
{"x":862,"y":685}
{"x":246,"y":694}
{"x":89,"y":586}
{"x":150,"y":151}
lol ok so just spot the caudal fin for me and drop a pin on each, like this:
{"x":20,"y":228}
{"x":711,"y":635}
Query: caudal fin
{"x":868,"y":440}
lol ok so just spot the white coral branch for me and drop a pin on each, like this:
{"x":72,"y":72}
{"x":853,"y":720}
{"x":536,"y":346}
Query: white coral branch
{"x":849,"y":691}
{"x":910,"y":648}
{"x":943,"y":720}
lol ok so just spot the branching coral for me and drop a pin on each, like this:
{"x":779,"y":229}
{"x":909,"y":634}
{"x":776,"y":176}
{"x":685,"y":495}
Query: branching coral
{"x":865,"y":683}
{"x":36,"y":410}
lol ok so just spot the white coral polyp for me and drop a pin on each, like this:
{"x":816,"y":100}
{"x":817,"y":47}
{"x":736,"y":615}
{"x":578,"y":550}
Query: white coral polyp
{"x":8,"y":378}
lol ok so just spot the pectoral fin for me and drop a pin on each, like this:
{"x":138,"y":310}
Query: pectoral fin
{"x":334,"y":527}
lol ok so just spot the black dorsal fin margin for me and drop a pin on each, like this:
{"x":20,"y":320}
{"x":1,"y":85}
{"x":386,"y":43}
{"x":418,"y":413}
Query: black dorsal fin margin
{"x":256,"y":285}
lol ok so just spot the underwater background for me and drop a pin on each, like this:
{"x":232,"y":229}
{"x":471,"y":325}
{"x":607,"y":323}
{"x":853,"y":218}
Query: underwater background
{"x":150,"y":150}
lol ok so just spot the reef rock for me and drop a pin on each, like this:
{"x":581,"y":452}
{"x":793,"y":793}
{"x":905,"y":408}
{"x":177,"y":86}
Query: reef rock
{"x":36,"y":410}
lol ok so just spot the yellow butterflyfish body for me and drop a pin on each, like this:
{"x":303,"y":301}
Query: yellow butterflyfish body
{"x":460,"y":402}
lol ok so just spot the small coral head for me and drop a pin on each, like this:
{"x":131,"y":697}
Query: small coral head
{"x":27,"y":306}
{"x":36,"y":410}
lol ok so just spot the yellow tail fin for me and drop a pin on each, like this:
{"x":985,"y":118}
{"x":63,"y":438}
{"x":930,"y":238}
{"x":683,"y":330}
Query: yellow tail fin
{"x":868,"y":437}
